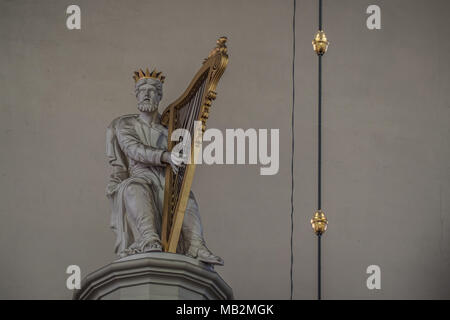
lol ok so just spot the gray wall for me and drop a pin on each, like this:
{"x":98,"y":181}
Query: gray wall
{"x":386,"y":129}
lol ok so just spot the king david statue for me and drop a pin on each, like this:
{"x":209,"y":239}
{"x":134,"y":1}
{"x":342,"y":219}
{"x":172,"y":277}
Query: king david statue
{"x":137,"y":152}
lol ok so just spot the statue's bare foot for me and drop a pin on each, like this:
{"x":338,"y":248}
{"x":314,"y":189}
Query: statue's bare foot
{"x":204,"y":255}
{"x":152,"y":246}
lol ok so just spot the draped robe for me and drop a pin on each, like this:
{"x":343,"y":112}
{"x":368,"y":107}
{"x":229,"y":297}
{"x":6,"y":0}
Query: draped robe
{"x":134,"y":150}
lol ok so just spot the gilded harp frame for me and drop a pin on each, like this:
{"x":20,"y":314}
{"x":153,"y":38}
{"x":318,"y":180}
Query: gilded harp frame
{"x":207,"y":77}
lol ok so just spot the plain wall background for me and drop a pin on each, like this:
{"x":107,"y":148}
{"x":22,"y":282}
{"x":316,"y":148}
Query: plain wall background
{"x":386,"y":153}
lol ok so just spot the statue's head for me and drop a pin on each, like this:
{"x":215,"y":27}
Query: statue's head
{"x":148,"y":89}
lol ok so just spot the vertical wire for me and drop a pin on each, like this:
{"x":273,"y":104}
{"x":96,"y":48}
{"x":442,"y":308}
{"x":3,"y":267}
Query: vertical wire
{"x":320,"y":14}
{"x":319,"y":267}
{"x":293,"y":149}
{"x":319,"y":135}
{"x":319,"y":166}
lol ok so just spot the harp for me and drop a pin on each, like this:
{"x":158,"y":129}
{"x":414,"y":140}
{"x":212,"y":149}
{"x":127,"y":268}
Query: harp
{"x":193,"y":105}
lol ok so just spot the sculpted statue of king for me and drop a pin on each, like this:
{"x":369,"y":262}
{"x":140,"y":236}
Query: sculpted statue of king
{"x":137,"y":152}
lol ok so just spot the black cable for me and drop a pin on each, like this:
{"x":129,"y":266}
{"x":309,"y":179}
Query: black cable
{"x":293,"y":149}
{"x":320,"y":14}
{"x":319,"y":267}
{"x":319,"y":166}
{"x":319,"y":134}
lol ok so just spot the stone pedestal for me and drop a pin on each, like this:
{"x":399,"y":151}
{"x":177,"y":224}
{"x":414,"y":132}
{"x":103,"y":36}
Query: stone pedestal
{"x":154,"y":276}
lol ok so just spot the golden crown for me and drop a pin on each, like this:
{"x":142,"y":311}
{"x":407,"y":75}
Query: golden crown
{"x":147,"y":75}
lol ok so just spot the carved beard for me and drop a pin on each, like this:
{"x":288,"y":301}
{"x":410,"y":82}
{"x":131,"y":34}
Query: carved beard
{"x":147,"y":106}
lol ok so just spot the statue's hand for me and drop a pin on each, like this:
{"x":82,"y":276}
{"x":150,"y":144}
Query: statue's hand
{"x":174,"y":160}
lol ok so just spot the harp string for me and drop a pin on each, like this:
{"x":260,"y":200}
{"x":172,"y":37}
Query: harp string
{"x":188,"y":114}
{"x":193,"y":107}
